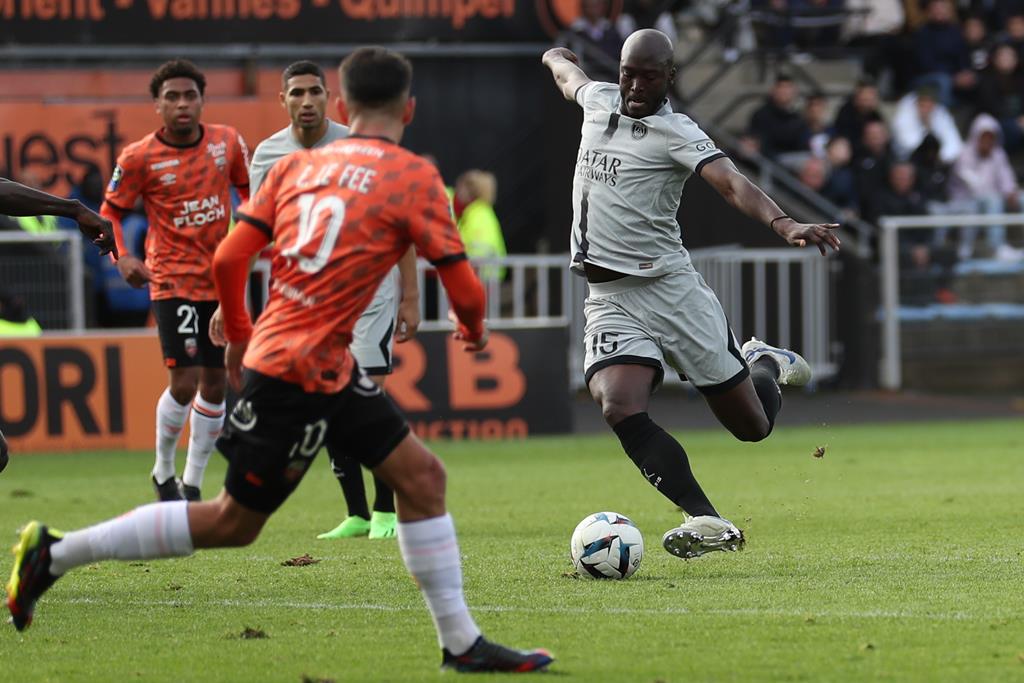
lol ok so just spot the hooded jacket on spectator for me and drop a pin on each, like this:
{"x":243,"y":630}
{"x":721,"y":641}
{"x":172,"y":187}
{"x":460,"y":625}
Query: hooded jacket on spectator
{"x":975,"y":176}
{"x":908,"y":130}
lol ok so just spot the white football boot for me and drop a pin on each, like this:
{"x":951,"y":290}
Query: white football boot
{"x":703,"y":534}
{"x":793,"y":369}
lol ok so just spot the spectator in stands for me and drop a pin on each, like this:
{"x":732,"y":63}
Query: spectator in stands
{"x":858,"y":109}
{"x":841,"y":186}
{"x":871,"y":167}
{"x":30,"y":252}
{"x":816,"y":119}
{"x":14,"y":320}
{"x":901,"y":198}
{"x":640,"y":14}
{"x":36,"y":225}
{"x":1014,"y":33}
{"x":932,"y":174}
{"x":475,"y":193}
{"x":814,"y":174}
{"x":875,"y":29}
{"x":940,"y":52}
{"x":978,"y":40}
{"x":777,"y":126}
{"x":773,"y":28}
{"x":596,"y":40}
{"x":824,"y":21}
{"x":918,"y":114}
{"x":871,"y":23}
{"x":1001,"y":94}
{"x":983,"y":177}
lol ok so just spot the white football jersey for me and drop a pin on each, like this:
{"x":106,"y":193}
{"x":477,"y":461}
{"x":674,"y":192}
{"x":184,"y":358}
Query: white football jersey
{"x":629,"y":177}
{"x":281,"y":144}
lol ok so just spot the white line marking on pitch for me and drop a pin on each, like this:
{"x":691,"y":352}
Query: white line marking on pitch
{"x":739,"y":612}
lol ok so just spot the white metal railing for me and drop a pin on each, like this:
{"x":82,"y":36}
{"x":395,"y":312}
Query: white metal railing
{"x":540,"y":291}
{"x":536,"y":292}
{"x":803,"y":322}
{"x":45,"y":270}
{"x":891,"y":369}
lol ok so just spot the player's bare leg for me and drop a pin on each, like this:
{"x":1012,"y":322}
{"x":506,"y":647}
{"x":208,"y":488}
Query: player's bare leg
{"x":743,"y":412}
{"x":623,"y":392}
{"x":749,"y":409}
{"x":359,"y":522}
{"x":158,"y":530}
{"x":430,"y":549}
{"x":172,"y":411}
{"x":205,"y":426}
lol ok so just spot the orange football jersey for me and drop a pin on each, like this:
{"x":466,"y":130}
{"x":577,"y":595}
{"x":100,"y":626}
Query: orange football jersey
{"x":185,"y":191}
{"x":340,"y":217}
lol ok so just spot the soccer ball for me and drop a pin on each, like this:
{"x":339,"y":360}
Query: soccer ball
{"x":606,"y":545}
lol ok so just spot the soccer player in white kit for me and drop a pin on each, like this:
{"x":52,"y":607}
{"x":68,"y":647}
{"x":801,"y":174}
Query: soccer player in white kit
{"x":646,"y":303}
{"x":393,"y":315}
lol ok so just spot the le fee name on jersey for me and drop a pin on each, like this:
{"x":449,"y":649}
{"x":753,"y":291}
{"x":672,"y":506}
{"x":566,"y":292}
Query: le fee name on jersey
{"x":594,"y":165}
{"x":351,"y":176}
{"x":199,"y":212}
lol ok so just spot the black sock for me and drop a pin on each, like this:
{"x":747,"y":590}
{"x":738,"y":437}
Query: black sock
{"x":663,"y":462}
{"x":350,"y":475}
{"x":764,"y":373}
{"x":383,"y":497}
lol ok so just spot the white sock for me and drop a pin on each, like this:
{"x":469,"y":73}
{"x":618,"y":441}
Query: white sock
{"x":206,"y":423}
{"x":150,"y":531}
{"x":431,"y":553}
{"x":170,"y":420}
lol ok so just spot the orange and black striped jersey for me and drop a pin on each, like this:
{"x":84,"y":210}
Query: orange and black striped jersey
{"x":340,"y":217}
{"x":186,"y":194}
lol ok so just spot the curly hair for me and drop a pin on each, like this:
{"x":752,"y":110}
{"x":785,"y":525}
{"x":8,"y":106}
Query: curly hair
{"x":176,"y":68}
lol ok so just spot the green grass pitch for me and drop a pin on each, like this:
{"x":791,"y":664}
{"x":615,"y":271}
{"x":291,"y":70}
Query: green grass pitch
{"x":898,"y":556}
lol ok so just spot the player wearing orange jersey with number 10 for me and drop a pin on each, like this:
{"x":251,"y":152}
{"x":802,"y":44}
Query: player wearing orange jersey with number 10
{"x":340,"y":218}
{"x":184,"y":173}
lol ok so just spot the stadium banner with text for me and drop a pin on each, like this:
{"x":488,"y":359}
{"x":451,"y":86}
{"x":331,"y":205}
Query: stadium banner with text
{"x":136,"y":22}
{"x":59,"y":142}
{"x":64,"y":392}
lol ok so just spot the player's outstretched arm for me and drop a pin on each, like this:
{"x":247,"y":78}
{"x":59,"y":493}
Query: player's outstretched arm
{"x":19,"y":200}
{"x":466,"y":295}
{"x":230,"y":272}
{"x":409,"y":303}
{"x":723,"y":175}
{"x":131,"y":267}
{"x":565,"y":68}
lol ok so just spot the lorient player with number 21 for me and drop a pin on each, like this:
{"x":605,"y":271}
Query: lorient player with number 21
{"x":183,"y":173}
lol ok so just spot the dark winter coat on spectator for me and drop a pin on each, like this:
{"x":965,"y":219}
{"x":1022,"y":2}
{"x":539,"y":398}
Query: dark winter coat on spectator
{"x":940,"y":48}
{"x":779,"y":130}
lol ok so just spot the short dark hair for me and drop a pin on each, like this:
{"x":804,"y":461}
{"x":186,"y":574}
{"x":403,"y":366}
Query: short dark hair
{"x":302,"y":67}
{"x":176,"y":68}
{"x":375,"y":77}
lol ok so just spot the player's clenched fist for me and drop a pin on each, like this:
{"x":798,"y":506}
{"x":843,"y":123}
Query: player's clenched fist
{"x":134,"y":271}
{"x":560,"y":53}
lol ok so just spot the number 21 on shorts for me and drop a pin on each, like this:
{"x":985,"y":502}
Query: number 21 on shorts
{"x":188,"y":318}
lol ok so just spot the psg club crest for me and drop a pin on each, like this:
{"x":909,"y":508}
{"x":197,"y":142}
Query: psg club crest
{"x":639,"y":130}
{"x":191,"y":347}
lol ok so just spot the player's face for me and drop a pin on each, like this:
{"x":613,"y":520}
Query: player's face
{"x":643,"y":85}
{"x":180,"y":105}
{"x":305,"y":98}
